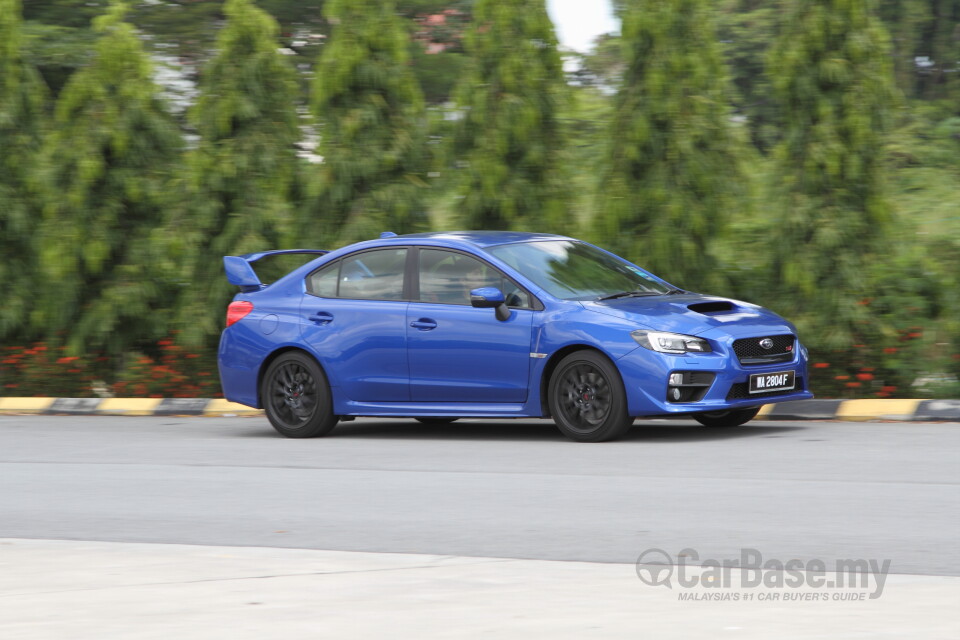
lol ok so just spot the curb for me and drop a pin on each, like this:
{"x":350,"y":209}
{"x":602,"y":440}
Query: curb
{"x":914,"y":410}
{"x":126,"y":407}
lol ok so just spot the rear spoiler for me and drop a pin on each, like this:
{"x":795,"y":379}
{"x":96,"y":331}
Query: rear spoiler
{"x":240,"y":273}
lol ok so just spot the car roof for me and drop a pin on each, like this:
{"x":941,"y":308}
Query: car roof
{"x":480,"y":238}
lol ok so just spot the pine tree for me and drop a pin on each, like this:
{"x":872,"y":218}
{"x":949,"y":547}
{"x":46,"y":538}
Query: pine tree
{"x":832,"y":75}
{"x":506,"y":148}
{"x":109,"y":159}
{"x":244,"y":173}
{"x":907,"y":21}
{"x":21,"y":118}
{"x":673,"y":169}
{"x":371,"y":113}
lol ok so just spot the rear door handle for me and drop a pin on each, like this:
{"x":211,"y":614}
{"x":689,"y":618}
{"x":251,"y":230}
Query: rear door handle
{"x":424,"y":324}
{"x":321,"y":317}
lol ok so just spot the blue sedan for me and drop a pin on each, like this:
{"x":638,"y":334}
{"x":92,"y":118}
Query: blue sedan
{"x":441,"y":326}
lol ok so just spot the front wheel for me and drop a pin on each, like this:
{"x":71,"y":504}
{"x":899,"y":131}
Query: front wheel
{"x":296,"y":397}
{"x":732,"y":418}
{"x":587,"y":399}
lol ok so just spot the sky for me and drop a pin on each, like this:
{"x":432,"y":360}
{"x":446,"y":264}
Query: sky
{"x":578,"y":22}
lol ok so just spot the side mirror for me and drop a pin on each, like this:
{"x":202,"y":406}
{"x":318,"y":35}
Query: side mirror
{"x":490,"y":298}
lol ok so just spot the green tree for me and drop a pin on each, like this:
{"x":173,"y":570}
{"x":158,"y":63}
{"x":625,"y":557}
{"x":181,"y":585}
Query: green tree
{"x":672,"y":177}
{"x":507,"y":145}
{"x":243,"y":176}
{"x":107,"y":160}
{"x":832,"y":75}
{"x":906,"y":21}
{"x":21,"y":121}
{"x":371,"y":113}
{"x":940,"y":45}
{"x":747,"y":29}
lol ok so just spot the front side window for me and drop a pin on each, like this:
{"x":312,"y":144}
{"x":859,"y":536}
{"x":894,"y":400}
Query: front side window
{"x":447,"y":277}
{"x":370,"y":275}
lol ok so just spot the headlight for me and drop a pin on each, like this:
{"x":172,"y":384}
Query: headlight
{"x":670,"y":342}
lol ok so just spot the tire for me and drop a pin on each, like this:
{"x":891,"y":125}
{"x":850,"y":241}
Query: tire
{"x":296,"y":397}
{"x":732,"y":418}
{"x":586,"y":398}
{"x":436,"y":421}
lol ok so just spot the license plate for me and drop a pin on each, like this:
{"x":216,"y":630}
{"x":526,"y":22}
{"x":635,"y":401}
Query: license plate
{"x":765,"y":382}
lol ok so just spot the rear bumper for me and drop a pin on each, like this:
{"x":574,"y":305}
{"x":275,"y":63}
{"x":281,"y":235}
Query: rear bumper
{"x":239,"y":370}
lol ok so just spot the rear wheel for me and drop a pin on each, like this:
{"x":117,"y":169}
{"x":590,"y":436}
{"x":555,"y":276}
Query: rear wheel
{"x":732,"y":418}
{"x":587,"y":399}
{"x":436,"y":420}
{"x":296,"y":397}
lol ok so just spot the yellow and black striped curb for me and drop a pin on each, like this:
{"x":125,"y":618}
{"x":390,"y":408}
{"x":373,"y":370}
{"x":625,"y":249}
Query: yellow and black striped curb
{"x":852,"y":410}
{"x":127,"y":406}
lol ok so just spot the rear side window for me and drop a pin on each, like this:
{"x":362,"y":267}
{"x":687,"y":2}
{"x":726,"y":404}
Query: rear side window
{"x":323,"y":283}
{"x":372,"y":275}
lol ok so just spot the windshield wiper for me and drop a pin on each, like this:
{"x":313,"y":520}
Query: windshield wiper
{"x":628,"y":294}
{"x":674,"y":292}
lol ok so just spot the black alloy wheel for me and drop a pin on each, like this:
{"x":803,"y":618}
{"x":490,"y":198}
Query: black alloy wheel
{"x":296,"y":397}
{"x":586,"y":398}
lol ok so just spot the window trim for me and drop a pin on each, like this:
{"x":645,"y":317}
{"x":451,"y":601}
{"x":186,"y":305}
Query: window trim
{"x":535,"y":303}
{"x":338,"y":264}
{"x":411,"y":276}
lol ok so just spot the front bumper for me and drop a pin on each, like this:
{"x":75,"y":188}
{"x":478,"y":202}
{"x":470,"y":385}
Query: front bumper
{"x":646,"y":373}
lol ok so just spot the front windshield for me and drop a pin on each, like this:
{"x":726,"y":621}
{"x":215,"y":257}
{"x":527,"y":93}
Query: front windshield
{"x":576,"y":271}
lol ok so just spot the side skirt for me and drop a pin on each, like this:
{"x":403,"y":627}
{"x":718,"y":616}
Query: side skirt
{"x":438,"y":409}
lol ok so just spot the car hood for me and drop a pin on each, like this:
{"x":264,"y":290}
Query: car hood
{"x":692,"y":314}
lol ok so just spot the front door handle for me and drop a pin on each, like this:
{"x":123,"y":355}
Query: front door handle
{"x":321,"y":317}
{"x":424,"y":324}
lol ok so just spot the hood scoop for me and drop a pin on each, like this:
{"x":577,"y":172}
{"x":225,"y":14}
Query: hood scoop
{"x":714,"y":307}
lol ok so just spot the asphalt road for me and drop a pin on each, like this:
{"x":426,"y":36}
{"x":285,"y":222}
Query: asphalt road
{"x":511,"y":489}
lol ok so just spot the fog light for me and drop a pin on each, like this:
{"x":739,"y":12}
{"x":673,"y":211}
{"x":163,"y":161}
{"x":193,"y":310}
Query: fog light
{"x":675,"y":393}
{"x":676,"y":379}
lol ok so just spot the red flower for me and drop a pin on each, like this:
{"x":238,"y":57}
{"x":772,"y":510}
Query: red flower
{"x":842,"y":378}
{"x":864,"y":376}
{"x":890,"y":350}
{"x":853,"y":385}
{"x":821,"y":365}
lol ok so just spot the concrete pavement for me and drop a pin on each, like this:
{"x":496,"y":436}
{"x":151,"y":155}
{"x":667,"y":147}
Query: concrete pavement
{"x":121,"y":591}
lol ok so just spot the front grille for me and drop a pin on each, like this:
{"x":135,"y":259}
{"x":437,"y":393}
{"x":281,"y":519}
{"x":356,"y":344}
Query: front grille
{"x":741,"y":391}
{"x":750,"y":352}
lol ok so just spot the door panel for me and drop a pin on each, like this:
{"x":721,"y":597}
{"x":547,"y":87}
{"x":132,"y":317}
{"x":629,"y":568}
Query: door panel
{"x":461,"y":354}
{"x":363,"y":344}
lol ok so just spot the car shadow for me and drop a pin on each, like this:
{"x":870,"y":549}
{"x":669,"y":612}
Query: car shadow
{"x":537,"y":431}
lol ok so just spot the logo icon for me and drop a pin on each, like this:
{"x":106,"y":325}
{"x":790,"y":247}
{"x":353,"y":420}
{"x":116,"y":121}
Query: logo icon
{"x":655,"y":567}
{"x":766,"y":343}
